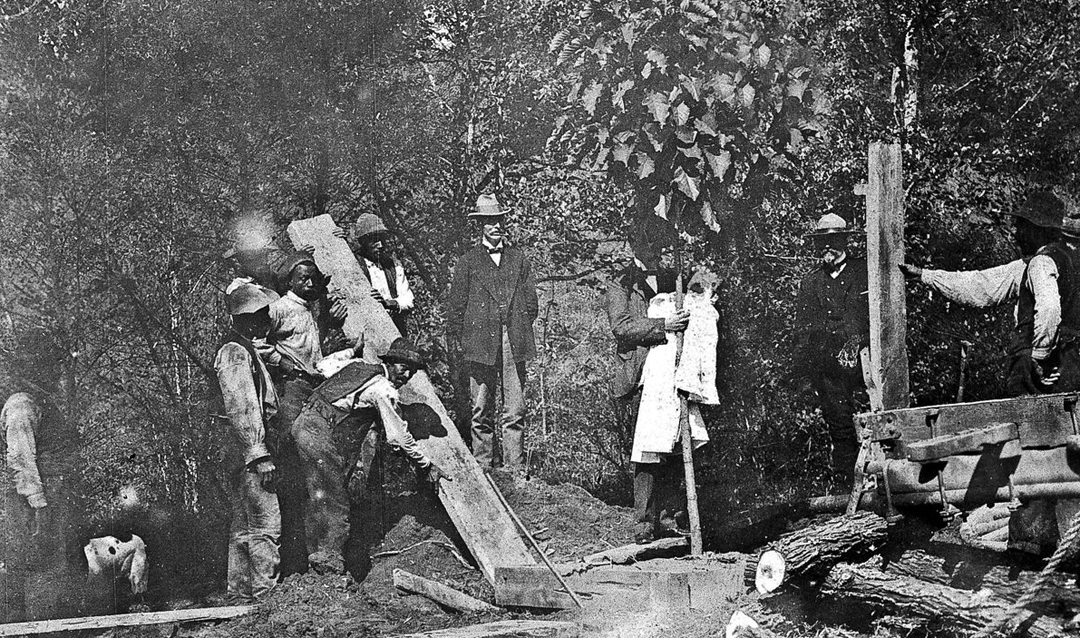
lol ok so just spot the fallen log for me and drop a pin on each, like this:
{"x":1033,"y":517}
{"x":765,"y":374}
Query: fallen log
{"x":939,"y":609}
{"x":125,"y":620}
{"x":811,"y":551}
{"x":445,"y":596}
{"x":507,"y":629}
{"x":1007,"y":581}
{"x":660,"y":548}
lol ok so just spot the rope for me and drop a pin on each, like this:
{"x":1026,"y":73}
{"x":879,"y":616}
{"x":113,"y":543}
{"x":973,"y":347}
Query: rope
{"x":1017,"y":609}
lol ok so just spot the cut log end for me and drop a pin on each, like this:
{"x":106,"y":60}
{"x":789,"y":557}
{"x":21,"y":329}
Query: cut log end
{"x":770,"y":572}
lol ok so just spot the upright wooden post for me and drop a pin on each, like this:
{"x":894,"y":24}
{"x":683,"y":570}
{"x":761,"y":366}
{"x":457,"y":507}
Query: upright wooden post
{"x":884,"y":254}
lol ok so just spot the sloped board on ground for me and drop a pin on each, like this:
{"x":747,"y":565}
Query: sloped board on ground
{"x":508,"y":629}
{"x":485,"y":526}
{"x":125,"y":620}
{"x":664,"y":584}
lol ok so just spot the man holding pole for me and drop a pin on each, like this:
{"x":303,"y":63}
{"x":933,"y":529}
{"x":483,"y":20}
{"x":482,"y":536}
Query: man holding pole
{"x":642,"y":315}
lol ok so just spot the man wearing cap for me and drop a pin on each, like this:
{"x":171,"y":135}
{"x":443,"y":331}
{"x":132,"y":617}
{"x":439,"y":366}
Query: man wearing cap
{"x":627,"y":303}
{"x":492,"y":308}
{"x":250,"y":401}
{"x":387,"y":277}
{"x":329,"y":441}
{"x":833,"y":325}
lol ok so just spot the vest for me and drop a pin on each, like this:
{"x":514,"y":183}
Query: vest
{"x":389,"y":268}
{"x":348,"y":380}
{"x":1065,"y":258}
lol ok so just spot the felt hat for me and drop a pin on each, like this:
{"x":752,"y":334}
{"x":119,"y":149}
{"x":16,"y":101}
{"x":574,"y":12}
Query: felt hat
{"x":488,"y":206}
{"x":402,"y":351}
{"x":1046,"y":210}
{"x":246,"y":299}
{"x":830,"y":224}
{"x":368,"y":224}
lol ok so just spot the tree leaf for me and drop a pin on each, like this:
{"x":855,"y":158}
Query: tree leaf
{"x":719,"y":163}
{"x":620,"y":92}
{"x":657,"y":57}
{"x":622,"y":152}
{"x":657,"y":103}
{"x":682,"y":114}
{"x":706,"y":124}
{"x":628,"y":34}
{"x":590,"y":96}
{"x":646,"y":166}
{"x":692,"y":86}
{"x":762,"y":56}
{"x":661,"y":207}
{"x":746,"y":95}
{"x":708,"y":215}
{"x":688,"y":185}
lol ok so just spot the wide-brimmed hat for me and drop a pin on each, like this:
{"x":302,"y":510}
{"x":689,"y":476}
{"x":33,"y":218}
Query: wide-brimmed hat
{"x":403,"y":351}
{"x":246,"y":299}
{"x":1044,"y":209}
{"x":368,"y":224}
{"x":830,"y":225}
{"x":488,"y":206}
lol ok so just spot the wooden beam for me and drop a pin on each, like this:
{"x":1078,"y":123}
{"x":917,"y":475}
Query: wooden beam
{"x":884,"y":254}
{"x":125,"y":620}
{"x":507,"y":629}
{"x":476,"y":512}
{"x":445,"y":596}
{"x":659,"y":548}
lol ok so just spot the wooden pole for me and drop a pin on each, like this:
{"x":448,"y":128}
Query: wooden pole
{"x":684,"y":413}
{"x":532,"y":541}
{"x":884,"y":254}
{"x":125,"y":620}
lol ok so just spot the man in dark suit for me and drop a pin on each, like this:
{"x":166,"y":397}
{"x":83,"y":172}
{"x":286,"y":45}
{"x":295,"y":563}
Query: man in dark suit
{"x":492,"y":307}
{"x":833,"y":322}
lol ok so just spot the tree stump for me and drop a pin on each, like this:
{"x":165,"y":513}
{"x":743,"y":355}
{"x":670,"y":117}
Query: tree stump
{"x":940,"y":609}
{"x":811,"y":551}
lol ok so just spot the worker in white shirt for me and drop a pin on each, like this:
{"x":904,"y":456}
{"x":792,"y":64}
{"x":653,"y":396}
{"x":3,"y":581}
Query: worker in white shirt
{"x":389,"y":286}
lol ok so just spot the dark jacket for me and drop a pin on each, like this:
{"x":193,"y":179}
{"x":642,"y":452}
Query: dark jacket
{"x":832,"y":311}
{"x":627,"y":303}
{"x":484,"y":297}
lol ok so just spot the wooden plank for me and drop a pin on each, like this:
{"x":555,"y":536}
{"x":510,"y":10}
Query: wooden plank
{"x":964,"y":442}
{"x":661,"y":547}
{"x":125,"y":620}
{"x":507,"y":629}
{"x":884,"y":254}
{"x":486,"y":527}
{"x":445,"y":596}
{"x":1043,"y":421}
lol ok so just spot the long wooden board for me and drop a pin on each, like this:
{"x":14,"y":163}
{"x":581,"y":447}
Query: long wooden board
{"x":125,"y":620}
{"x":507,"y":629}
{"x":477,"y":513}
{"x":656,"y":584}
{"x":884,"y":253}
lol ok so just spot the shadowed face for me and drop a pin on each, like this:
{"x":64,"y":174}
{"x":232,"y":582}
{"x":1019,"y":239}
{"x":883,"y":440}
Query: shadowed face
{"x":831,"y":249}
{"x":305,"y":281}
{"x":494,"y":229}
{"x":255,"y":325}
{"x":373,"y":247}
{"x":400,"y":373}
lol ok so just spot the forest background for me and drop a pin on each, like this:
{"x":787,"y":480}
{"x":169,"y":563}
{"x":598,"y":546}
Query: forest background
{"x":136,"y":136}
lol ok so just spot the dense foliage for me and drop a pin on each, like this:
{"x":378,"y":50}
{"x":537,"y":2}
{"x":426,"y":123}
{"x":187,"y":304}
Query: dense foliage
{"x":135,"y":137}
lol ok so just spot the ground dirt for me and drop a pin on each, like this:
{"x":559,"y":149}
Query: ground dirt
{"x":411,"y":532}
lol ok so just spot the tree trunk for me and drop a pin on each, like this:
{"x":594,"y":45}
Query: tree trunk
{"x":811,"y":551}
{"x":1007,"y":581}
{"x":940,"y":609}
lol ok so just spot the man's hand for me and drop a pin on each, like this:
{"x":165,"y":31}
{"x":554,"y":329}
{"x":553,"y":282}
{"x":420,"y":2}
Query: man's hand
{"x":391,"y":304}
{"x":849,"y":354}
{"x":358,"y":348}
{"x":338,"y":310}
{"x":677,"y":322}
{"x":1046,"y":374}
{"x":267,"y":472}
{"x":306,"y":248}
{"x":434,"y":474}
{"x":910,"y":271}
{"x":339,"y":232}
{"x":377,"y":296}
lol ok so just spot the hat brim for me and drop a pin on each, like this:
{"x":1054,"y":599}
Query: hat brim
{"x":405,"y":358}
{"x":500,"y":213}
{"x":831,"y":233}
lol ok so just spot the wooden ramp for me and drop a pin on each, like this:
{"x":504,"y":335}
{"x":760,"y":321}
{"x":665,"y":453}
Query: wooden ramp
{"x":474,"y":508}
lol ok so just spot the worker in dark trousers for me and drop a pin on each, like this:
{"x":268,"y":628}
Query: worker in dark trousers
{"x":389,"y":285}
{"x":833,"y":326}
{"x":329,"y":432}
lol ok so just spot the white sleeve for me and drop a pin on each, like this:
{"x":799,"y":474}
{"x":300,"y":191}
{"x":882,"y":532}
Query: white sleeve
{"x":978,"y":288}
{"x":1043,"y":279}
{"x":404,"y":293}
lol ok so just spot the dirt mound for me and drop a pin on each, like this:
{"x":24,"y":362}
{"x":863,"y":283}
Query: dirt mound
{"x":566,"y":520}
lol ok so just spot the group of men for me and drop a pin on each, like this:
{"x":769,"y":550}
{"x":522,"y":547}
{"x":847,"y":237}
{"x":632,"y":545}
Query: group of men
{"x":305,"y":414}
